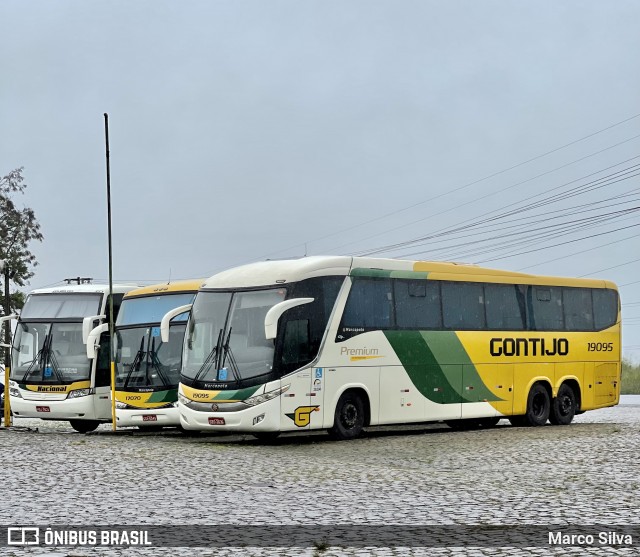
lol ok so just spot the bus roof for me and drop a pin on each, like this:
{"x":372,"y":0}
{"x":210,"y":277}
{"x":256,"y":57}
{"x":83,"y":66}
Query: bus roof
{"x":85,"y":289}
{"x":266,"y":273}
{"x":191,"y":285}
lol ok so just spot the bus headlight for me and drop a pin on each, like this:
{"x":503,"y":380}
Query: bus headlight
{"x":14,"y":391}
{"x":183,"y":399}
{"x":80,"y":392}
{"x":259,"y":399}
{"x":120,"y":405}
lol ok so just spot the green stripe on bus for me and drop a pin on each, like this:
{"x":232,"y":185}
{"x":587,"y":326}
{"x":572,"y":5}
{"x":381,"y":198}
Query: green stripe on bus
{"x":379,"y":273}
{"x":242,"y":394}
{"x":447,"y":349}
{"x":435,"y":362}
{"x":164,"y":396}
{"x":425,"y":372}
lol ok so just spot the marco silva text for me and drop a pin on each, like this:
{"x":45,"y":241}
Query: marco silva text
{"x":599,"y":538}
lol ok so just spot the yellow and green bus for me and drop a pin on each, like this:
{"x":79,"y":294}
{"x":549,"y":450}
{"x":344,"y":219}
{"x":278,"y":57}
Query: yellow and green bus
{"x":342,"y":343}
{"x":148,"y":369}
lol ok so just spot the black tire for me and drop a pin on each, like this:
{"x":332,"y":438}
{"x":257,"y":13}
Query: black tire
{"x":84,"y":426}
{"x":563,"y":407}
{"x":348,"y":419}
{"x":538,"y":406}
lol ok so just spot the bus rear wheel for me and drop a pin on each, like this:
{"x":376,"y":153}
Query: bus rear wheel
{"x":348,"y":420}
{"x":538,"y":406}
{"x":84,"y":426}
{"x":563,"y":407}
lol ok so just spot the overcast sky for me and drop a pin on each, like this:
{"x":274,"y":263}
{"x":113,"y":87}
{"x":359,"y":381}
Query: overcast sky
{"x":242,"y":130}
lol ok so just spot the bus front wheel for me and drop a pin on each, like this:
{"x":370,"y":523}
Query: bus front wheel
{"x":348,"y":420}
{"x":84,"y":426}
{"x":563,"y":407}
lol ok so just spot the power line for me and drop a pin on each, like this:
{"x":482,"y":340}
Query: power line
{"x":609,"y":268}
{"x":579,"y":252}
{"x":460,"y":188}
{"x":486,"y":217}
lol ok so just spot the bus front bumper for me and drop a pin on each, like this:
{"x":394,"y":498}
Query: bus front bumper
{"x":80,"y":408}
{"x":147,"y":417}
{"x":262,"y":418}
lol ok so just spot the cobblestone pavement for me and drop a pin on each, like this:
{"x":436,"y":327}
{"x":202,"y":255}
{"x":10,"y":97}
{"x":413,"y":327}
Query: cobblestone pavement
{"x":583,"y":474}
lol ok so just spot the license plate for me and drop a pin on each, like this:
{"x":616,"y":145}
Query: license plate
{"x":149,"y":418}
{"x":216,"y":421}
{"x":43,"y":409}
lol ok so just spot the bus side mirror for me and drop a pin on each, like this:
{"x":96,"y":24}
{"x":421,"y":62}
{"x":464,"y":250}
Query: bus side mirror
{"x":271,"y":319}
{"x":93,"y":339}
{"x":2,"y":320}
{"x":164,"y":324}
{"x":89,"y":323}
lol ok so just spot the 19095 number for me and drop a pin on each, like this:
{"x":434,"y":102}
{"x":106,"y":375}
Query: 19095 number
{"x":600,"y":347}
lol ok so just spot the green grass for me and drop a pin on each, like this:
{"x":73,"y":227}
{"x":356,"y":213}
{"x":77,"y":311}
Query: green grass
{"x":630,"y":378}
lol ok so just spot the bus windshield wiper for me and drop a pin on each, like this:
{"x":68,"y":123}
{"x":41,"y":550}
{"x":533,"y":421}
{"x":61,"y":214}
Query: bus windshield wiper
{"x":155,"y":362}
{"x":232,"y":361}
{"x":43,"y":356}
{"x":207,"y":363}
{"x":135,"y":363}
{"x":54,"y":361}
{"x":39,"y":358}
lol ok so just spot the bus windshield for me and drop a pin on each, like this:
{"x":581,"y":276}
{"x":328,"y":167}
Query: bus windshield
{"x":143,"y":360}
{"x":51,"y":353}
{"x":61,"y":306}
{"x":150,"y":309}
{"x":226,"y":342}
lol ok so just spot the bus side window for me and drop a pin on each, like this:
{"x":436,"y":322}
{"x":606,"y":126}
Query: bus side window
{"x":546,"y":313}
{"x":463,"y":306}
{"x":504,"y":305}
{"x":417,"y":304}
{"x":368,"y":306}
{"x":295,"y":345}
{"x":578,"y":310}
{"x":103,"y":362}
{"x":605,"y":308}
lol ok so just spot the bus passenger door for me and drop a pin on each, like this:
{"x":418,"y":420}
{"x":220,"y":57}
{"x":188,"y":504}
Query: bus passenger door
{"x":302,"y":403}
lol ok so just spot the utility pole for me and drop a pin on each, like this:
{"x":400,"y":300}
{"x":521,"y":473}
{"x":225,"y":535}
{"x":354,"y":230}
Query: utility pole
{"x":111,"y":324}
{"x":4,"y":269}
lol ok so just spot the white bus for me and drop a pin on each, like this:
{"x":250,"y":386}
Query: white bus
{"x":147,"y":369}
{"x":51,"y":376}
{"x":340,"y":343}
